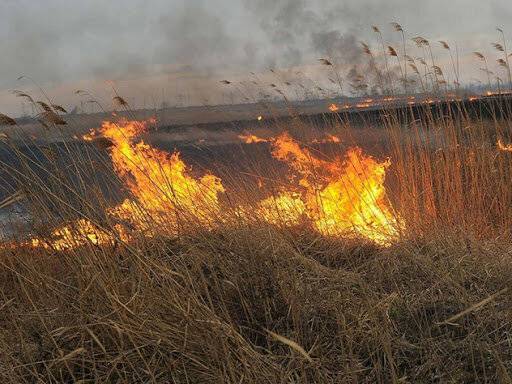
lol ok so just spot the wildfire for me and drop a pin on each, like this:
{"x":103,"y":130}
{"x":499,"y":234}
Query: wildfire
{"x":341,"y":197}
{"x":504,"y":147}
{"x":285,"y":209}
{"x":160,"y":182}
{"x":333,"y":108}
{"x":74,"y":235}
{"x":333,"y":139}
{"x":161,"y":186}
{"x":251,"y":139}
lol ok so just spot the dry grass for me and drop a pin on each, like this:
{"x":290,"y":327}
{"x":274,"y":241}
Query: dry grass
{"x":254,"y":303}
{"x":257,"y":306}
{"x":247,"y":302}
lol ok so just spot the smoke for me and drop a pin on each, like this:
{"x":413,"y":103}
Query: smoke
{"x":59,"y":42}
{"x":194,"y":36}
{"x":345,"y":49}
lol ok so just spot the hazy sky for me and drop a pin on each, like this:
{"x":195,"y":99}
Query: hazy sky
{"x":69,"y":43}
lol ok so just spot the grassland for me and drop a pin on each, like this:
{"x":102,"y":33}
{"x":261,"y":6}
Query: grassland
{"x":147,"y":270}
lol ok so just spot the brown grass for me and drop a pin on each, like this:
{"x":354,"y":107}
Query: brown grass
{"x":247,"y":302}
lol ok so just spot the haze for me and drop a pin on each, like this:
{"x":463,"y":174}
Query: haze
{"x":157,"y":51}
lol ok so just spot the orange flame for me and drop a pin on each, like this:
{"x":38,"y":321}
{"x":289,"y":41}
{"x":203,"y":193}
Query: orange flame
{"x":333,"y":108}
{"x":287,"y":208}
{"x":333,"y":139}
{"x":341,"y":197}
{"x":161,"y":186}
{"x":251,"y":139}
{"x":160,"y":182}
{"x":504,"y":147}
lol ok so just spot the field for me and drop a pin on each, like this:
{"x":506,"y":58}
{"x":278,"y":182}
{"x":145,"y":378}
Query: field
{"x":354,"y":246}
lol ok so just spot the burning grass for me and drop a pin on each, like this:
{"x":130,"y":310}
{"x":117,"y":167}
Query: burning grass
{"x":337,"y":263}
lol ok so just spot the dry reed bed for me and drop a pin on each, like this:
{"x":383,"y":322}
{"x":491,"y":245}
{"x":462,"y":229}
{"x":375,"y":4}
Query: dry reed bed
{"x":201,"y":309}
{"x":247,"y":302}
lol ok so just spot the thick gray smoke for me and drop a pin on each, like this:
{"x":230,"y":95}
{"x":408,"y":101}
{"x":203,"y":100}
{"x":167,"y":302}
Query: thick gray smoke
{"x":63,"y":44}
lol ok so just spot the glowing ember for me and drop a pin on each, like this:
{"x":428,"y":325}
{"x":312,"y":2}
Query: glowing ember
{"x":504,"y":147}
{"x":251,"y":139}
{"x":333,"y":108}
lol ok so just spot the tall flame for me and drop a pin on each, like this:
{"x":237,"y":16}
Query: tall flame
{"x":341,"y":197}
{"x":160,"y":182}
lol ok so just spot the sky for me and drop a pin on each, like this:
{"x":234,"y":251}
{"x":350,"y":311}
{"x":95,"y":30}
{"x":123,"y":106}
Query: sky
{"x":156,"y":50}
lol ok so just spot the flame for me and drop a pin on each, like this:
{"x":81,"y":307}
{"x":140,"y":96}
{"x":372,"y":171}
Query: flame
{"x":504,"y":147}
{"x":342,"y":197}
{"x":286,"y":209}
{"x":260,"y":118}
{"x":333,"y":139}
{"x":162,"y":189}
{"x":73,"y":235}
{"x":160,"y":182}
{"x":251,"y":139}
{"x":333,"y":107}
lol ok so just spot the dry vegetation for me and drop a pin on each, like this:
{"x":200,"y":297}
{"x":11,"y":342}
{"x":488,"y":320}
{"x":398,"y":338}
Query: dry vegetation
{"x":198,"y":285}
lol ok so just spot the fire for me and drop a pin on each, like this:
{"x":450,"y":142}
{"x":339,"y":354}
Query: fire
{"x":285,"y":209}
{"x":160,"y":182}
{"x":504,"y":147}
{"x":343,"y":197}
{"x":340,"y":197}
{"x":161,"y":186}
{"x":74,"y":235}
{"x":333,"y":108}
{"x":333,"y":139}
{"x":251,"y":139}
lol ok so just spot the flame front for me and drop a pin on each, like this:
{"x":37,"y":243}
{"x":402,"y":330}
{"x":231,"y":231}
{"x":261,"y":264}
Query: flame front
{"x":159,"y":182}
{"x":341,"y":197}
